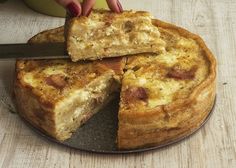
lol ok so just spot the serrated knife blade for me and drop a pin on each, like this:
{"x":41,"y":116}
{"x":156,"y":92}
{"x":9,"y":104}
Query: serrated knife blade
{"x":33,"y":51}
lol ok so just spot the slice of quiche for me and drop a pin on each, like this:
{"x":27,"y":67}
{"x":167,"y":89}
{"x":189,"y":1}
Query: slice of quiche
{"x":107,"y":34}
{"x":57,"y":96}
{"x":166,"y":96}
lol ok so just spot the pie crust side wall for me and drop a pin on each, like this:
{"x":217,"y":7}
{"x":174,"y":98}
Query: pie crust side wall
{"x":191,"y":111}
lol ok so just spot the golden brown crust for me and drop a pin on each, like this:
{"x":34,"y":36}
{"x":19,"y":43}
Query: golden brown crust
{"x":147,"y":128}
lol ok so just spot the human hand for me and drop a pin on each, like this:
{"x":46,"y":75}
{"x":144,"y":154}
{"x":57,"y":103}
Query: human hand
{"x":75,"y":8}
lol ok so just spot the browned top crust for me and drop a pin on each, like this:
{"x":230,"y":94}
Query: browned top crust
{"x":171,"y":76}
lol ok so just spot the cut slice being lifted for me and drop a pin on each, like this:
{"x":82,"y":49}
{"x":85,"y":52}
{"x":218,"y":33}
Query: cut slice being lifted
{"x":106,"y":34}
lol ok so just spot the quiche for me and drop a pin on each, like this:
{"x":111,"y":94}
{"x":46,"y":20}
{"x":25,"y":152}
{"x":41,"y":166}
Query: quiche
{"x":163,"y":96}
{"x":106,"y":34}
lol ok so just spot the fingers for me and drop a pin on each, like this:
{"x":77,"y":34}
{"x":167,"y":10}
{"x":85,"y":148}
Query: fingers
{"x":115,"y":6}
{"x":75,"y":9}
{"x":72,"y":6}
{"x":87,"y":7}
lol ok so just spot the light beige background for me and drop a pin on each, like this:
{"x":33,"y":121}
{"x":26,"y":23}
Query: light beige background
{"x":213,"y":146}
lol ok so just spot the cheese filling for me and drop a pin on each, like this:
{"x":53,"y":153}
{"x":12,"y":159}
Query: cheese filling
{"x":167,"y":76}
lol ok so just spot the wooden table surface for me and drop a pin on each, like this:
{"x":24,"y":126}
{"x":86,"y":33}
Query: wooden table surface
{"x":213,"y":146}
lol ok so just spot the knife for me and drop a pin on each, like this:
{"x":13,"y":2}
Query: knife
{"x":33,"y":51}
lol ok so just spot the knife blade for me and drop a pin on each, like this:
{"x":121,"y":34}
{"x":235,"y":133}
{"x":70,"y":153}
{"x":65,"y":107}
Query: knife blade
{"x":33,"y":51}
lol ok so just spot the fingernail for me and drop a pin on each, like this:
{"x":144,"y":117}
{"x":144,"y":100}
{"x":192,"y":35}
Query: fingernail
{"x":88,"y":13}
{"x":120,"y":6}
{"x":73,"y":9}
